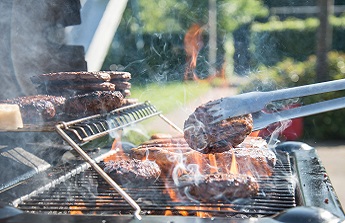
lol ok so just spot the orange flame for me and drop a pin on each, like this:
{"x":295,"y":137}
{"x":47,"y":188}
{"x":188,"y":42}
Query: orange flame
{"x":119,"y":155}
{"x":233,"y":167}
{"x":192,"y":45}
{"x":213,"y":163}
{"x":77,"y":209}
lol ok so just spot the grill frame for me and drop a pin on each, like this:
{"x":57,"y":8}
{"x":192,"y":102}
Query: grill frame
{"x":303,"y":158}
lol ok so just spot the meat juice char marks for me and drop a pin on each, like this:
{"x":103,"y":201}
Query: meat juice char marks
{"x":205,"y":137}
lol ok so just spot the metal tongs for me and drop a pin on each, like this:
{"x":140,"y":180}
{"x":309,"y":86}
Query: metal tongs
{"x":255,"y":103}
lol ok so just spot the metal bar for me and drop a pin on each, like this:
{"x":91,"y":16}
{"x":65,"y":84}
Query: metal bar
{"x":100,"y":171}
{"x":171,"y":123}
{"x":98,"y":135}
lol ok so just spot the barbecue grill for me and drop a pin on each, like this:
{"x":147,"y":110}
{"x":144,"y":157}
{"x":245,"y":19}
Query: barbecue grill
{"x":46,"y":185}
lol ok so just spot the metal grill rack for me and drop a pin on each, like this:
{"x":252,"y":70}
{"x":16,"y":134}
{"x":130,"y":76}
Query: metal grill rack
{"x":89,"y":194}
{"x":79,"y":132}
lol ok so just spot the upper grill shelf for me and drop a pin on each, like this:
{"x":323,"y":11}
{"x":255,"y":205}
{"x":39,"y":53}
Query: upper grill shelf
{"x":90,"y":128}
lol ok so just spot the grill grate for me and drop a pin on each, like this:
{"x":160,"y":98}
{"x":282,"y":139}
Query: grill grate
{"x":90,"y":128}
{"x":88,"y":193}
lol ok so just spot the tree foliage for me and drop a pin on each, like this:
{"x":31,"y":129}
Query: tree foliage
{"x":178,"y":15}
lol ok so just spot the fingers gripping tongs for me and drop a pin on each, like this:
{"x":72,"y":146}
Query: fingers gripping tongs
{"x":256,"y":102}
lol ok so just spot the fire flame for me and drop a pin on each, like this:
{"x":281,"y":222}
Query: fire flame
{"x":234,"y":167}
{"x":192,"y":45}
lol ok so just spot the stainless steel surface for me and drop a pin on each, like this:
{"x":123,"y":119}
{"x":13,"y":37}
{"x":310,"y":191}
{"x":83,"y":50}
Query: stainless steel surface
{"x":255,"y":102}
{"x":262,"y":119}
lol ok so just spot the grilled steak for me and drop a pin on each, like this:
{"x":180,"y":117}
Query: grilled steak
{"x":205,"y":137}
{"x":251,"y":155}
{"x":93,"y":103}
{"x":132,"y":172}
{"x":38,"y":108}
{"x":219,"y":187}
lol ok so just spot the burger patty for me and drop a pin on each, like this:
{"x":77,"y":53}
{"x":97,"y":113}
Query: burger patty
{"x":205,"y":137}
{"x":93,"y":103}
{"x":63,"y":77}
{"x":76,"y":88}
{"x":132,"y":172}
{"x":38,"y":108}
{"x":219,"y":187}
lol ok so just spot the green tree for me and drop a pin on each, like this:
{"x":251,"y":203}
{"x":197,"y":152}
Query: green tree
{"x":178,"y":15}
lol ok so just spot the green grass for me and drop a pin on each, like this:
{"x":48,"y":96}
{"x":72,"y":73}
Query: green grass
{"x":169,"y":96}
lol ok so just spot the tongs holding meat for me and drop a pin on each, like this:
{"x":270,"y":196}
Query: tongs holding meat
{"x":255,"y":103}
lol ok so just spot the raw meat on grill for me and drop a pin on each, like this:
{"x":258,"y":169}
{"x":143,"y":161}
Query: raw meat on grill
{"x":38,"y":108}
{"x":218,"y":187}
{"x":251,"y":155}
{"x":132,"y":172}
{"x":93,"y":103}
{"x":205,"y":137}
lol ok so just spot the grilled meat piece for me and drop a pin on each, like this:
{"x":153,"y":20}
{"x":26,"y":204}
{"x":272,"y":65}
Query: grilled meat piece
{"x":119,"y":75}
{"x":38,"y":108}
{"x":129,"y":101}
{"x":219,"y":187}
{"x":251,"y":155}
{"x":74,"y":89}
{"x":167,"y":153}
{"x":218,"y":137}
{"x":132,"y":172}
{"x":65,"y":77}
{"x":93,"y":103}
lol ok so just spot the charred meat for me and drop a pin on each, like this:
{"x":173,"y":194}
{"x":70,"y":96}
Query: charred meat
{"x":205,"y":137}
{"x":132,"y":172}
{"x":38,"y":108}
{"x":219,"y":187}
{"x":63,"y":77}
{"x":93,"y":103}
